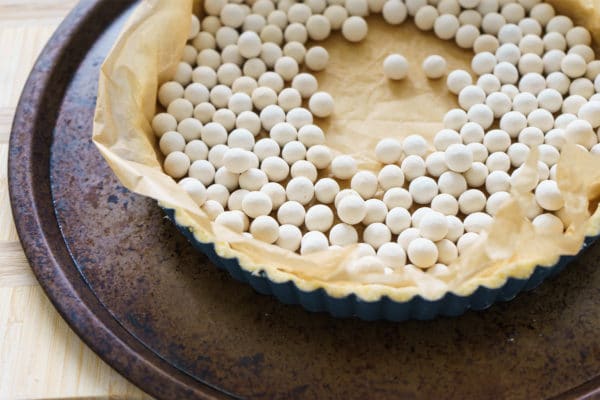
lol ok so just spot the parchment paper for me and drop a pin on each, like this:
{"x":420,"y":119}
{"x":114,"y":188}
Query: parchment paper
{"x":367,"y":108}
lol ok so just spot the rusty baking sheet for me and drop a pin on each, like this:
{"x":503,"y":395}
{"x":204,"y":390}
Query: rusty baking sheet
{"x":138,"y":294}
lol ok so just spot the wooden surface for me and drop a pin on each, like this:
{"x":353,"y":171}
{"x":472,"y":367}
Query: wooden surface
{"x":40,"y":356}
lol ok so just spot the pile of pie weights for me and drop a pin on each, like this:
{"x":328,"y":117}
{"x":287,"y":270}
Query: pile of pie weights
{"x":239,"y":132}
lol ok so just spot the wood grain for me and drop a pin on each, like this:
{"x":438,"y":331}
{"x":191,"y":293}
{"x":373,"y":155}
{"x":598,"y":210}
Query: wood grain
{"x":15,"y":271}
{"x":18,"y":10}
{"x":6,"y":114}
{"x":40,"y":356}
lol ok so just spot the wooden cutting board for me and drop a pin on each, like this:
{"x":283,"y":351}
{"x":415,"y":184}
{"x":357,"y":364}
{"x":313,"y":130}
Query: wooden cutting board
{"x":40,"y":356}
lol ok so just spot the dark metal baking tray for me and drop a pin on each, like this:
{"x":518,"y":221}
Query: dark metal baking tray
{"x":159,"y":312}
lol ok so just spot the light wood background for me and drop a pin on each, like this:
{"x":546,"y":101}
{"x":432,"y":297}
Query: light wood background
{"x":40,"y":356}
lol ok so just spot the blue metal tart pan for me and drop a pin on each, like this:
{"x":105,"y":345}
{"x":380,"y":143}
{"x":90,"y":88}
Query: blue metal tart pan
{"x":451,"y":305}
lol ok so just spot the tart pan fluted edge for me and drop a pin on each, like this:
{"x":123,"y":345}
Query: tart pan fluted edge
{"x":342,"y":303}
